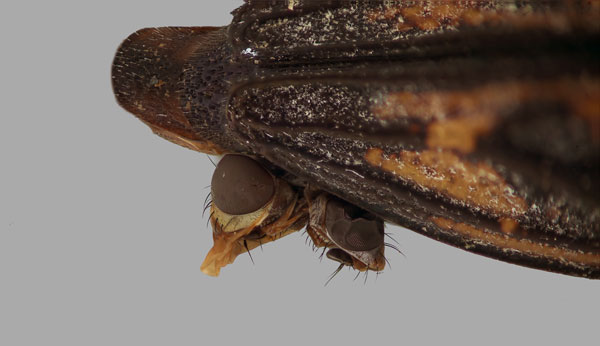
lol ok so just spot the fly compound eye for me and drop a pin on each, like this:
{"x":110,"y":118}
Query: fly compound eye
{"x":349,"y":229}
{"x":241,"y":185}
{"x":340,"y":256}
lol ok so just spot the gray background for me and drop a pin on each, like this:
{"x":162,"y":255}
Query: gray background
{"x":101,"y":232}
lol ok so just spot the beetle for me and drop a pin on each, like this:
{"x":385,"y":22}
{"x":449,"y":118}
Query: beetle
{"x":473,"y":123}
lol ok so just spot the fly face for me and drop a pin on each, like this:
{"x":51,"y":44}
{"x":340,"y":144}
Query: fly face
{"x":356,"y":232}
{"x":354,"y":237}
{"x":250,"y":207}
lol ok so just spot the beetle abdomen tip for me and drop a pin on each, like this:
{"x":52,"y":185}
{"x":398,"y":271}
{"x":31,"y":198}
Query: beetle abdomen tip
{"x":147,"y":74}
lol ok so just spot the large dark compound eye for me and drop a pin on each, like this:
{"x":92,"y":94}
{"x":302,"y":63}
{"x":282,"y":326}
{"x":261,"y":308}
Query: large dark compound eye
{"x":340,"y":256}
{"x":241,"y":185}
{"x":352,"y":228}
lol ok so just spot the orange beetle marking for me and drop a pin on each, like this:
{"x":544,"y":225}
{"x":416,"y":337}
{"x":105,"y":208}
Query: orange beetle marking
{"x":457,"y":118}
{"x":520,"y":245}
{"x":454,"y":14}
{"x":508,"y":226}
{"x":474,"y":184}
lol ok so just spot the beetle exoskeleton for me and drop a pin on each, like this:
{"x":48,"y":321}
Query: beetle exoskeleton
{"x":474,"y":123}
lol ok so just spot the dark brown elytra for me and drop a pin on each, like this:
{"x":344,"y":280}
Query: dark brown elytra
{"x":474,"y":123}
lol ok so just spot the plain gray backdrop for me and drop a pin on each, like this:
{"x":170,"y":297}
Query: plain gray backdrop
{"x":102,"y":234}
